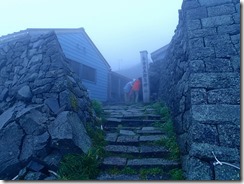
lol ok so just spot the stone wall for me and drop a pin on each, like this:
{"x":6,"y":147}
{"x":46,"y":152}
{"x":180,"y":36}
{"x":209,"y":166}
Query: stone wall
{"x":200,"y":82}
{"x":44,"y":108}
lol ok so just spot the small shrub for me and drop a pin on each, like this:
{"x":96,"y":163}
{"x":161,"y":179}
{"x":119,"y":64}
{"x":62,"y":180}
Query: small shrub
{"x":79,"y":167}
{"x":73,"y":102}
{"x":144,"y":173}
{"x":97,"y":106}
{"x":176,"y":174}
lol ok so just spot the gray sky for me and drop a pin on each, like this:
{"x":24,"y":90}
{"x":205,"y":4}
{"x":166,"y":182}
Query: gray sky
{"x":119,"y":28}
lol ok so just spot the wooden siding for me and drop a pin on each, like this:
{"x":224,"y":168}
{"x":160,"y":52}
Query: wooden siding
{"x":77,"y":47}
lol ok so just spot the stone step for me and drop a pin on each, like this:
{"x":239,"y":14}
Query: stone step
{"x":114,"y":162}
{"x":121,"y":162}
{"x":153,"y":162}
{"x":115,"y":122}
{"x":133,"y":177}
{"x":145,"y":151}
{"x":117,"y":139}
{"x":126,"y":177}
{"x":138,"y":130}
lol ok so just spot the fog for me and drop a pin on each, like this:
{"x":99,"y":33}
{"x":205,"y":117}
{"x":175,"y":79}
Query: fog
{"x":119,"y":28}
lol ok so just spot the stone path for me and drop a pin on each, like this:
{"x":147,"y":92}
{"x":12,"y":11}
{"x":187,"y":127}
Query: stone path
{"x":132,"y":145}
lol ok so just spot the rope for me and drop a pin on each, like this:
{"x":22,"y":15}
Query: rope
{"x":221,"y":163}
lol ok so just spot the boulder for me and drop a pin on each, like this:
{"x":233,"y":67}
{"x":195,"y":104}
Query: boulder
{"x":24,"y":93}
{"x":52,"y":103}
{"x":10,"y":143}
{"x":68,"y":133}
{"x":34,"y":146}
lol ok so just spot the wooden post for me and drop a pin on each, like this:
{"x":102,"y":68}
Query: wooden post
{"x":145,"y":77}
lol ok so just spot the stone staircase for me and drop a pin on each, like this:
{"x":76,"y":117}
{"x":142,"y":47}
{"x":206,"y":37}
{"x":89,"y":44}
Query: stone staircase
{"x":133,"y":149}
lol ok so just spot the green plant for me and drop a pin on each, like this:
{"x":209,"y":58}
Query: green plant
{"x":97,"y":106}
{"x":73,"y":102}
{"x":169,"y":142}
{"x":176,"y":174}
{"x":84,"y":166}
{"x":79,"y":167}
{"x":126,"y":170}
{"x":144,"y":173}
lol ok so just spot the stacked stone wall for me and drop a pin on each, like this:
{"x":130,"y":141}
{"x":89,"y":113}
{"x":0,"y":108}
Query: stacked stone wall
{"x":200,"y":82}
{"x":44,"y":108}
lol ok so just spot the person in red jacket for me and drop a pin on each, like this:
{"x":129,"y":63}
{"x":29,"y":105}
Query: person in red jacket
{"x":136,"y":88}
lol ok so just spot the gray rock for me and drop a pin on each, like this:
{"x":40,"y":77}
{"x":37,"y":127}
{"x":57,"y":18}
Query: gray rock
{"x":153,"y":162}
{"x":10,"y":143}
{"x":34,"y":176}
{"x":226,"y":172}
{"x":214,"y":80}
{"x":229,"y":135}
{"x":53,"y":160}
{"x":111,"y":137}
{"x":153,"y":150}
{"x":146,"y":138}
{"x":42,"y":89}
{"x":6,"y":117}
{"x":122,"y":149}
{"x":24,"y":93}
{"x":31,"y":126}
{"x":4,"y":94}
{"x":217,"y":21}
{"x":204,"y":151}
{"x":35,"y":59}
{"x":216,"y":113}
{"x":118,"y":177}
{"x":68,"y":133}
{"x":198,"y":169}
{"x":203,"y":133}
{"x":34,"y":146}
{"x":114,"y":161}
{"x":126,"y":132}
{"x":53,"y":104}
{"x":224,"y":96}
{"x":128,"y":139}
{"x":213,"y":3}
{"x":224,"y":9}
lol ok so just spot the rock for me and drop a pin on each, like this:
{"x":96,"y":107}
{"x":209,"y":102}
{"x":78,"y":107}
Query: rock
{"x":53,"y":160}
{"x":198,"y":169}
{"x":128,"y":139}
{"x":35,"y":166}
{"x":69,"y":134}
{"x":226,"y":172}
{"x":126,"y":132}
{"x":10,"y":144}
{"x":204,"y":151}
{"x":34,"y":176}
{"x":6,"y":117}
{"x":52,"y":103}
{"x":145,"y":138}
{"x":122,"y":149}
{"x":24,"y":93}
{"x":152,"y":162}
{"x":119,"y":177}
{"x":115,"y":161}
{"x":111,"y":137}
{"x":31,"y":126}
{"x":34,"y":146}
{"x":4,"y":94}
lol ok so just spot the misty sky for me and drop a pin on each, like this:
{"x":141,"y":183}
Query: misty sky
{"x":119,"y":28}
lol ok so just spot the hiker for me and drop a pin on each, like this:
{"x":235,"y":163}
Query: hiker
{"x":136,"y":88}
{"x":127,"y":90}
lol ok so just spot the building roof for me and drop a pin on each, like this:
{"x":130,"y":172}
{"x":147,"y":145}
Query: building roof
{"x":160,"y":53}
{"x":58,"y":31}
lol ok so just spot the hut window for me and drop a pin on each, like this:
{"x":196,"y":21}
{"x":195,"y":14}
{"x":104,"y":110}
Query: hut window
{"x":88,"y":73}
